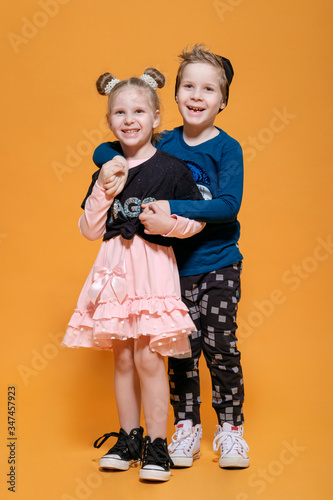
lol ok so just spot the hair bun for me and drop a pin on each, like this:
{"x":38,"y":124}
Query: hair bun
{"x":103,"y":83}
{"x":156,"y":75}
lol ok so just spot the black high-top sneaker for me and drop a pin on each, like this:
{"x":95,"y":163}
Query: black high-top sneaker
{"x":156,"y":461}
{"x":126,"y":451}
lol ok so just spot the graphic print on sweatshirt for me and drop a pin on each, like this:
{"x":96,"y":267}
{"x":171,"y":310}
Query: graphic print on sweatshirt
{"x":131,"y":208}
{"x":201,"y":178}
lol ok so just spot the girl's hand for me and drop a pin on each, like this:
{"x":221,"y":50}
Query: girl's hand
{"x":155,"y":220}
{"x":113,"y":176}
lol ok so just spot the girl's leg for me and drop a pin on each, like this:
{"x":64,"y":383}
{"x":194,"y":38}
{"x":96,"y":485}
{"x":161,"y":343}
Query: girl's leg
{"x":154,"y":388}
{"x":126,"y":385}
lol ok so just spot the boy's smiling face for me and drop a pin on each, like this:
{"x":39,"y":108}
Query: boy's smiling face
{"x":199,"y":95}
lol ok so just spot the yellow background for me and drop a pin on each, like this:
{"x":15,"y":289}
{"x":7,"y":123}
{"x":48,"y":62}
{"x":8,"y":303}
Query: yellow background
{"x":52,"y":118}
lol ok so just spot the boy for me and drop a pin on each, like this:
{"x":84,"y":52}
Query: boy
{"x":210,"y":262}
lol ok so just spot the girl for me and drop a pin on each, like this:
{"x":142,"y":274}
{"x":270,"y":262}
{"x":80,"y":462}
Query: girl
{"x":131,"y":299}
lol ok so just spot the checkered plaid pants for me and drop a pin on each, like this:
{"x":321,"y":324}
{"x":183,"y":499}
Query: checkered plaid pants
{"x":212,"y":300}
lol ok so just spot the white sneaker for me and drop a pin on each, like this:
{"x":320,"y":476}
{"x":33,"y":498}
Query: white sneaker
{"x":233,"y":446}
{"x":185,"y":444}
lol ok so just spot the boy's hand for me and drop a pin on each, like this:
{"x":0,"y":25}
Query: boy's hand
{"x":155,"y":220}
{"x":113,"y":176}
{"x":164,"y":205}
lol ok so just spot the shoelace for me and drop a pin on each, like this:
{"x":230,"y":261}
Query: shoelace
{"x":157,"y":453}
{"x":228,"y":441}
{"x":125,"y":441}
{"x":182,"y":438}
{"x":101,"y":440}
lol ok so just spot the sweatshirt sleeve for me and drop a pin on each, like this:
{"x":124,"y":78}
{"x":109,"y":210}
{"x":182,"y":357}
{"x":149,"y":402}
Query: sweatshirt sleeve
{"x":96,"y":206}
{"x":225,"y":207}
{"x":184,"y":228}
{"x":106,"y":152}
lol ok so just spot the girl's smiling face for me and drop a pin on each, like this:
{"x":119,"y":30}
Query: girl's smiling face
{"x":132,"y":120}
{"x":199,"y":95}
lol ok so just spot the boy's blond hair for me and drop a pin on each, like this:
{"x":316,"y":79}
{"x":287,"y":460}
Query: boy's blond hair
{"x":199,"y":53}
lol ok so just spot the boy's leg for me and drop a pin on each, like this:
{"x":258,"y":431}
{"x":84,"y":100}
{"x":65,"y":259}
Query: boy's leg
{"x":185,"y":388}
{"x":184,"y":378}
{"x":218,"y":308}
{"x":218,"y":321}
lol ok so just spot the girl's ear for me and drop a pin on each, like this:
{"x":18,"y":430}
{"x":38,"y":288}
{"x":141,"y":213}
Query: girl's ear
{"x":108,"y":120}
{"x":157,"y":119}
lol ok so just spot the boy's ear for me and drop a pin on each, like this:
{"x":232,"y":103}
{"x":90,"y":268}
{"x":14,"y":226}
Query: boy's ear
{"x":176,"y":98}
{"x":222,"y":106}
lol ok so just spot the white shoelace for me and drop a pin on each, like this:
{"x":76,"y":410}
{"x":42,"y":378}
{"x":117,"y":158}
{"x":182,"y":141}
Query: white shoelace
{"x":181,"y":438}
{"x":228,"y":441}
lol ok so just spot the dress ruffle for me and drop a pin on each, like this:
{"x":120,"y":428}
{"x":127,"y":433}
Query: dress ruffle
{"x":165,"y":320}
{"x":98,"y":321}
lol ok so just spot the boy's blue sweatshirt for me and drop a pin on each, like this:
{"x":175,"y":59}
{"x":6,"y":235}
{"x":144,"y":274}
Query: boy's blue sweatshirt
{"x":217,"y":168}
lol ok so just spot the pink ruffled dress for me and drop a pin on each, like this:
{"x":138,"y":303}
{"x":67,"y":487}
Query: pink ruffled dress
{"x":133,"y":289}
